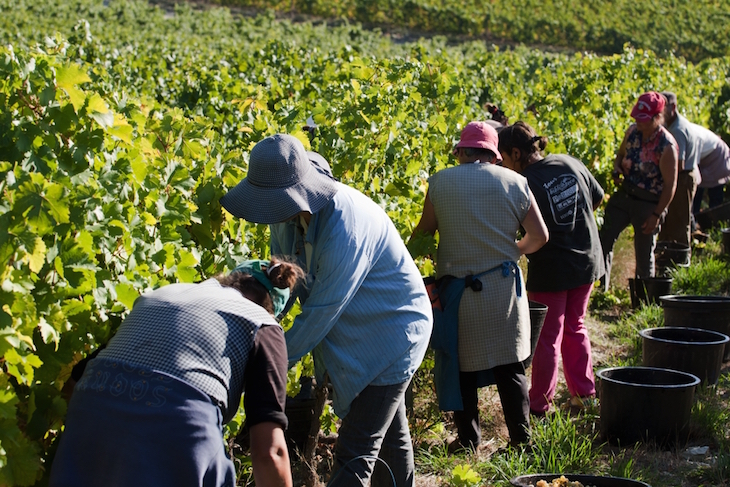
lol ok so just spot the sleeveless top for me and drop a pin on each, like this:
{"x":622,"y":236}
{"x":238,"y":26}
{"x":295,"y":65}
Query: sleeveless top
{"x":479,"y":208}
{"x":644,"y":157}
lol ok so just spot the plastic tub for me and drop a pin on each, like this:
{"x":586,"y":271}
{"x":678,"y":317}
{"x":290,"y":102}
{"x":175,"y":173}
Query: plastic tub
{"x":647,"y":290}
{"x":670,"y":254}
{"x":692,"y":350}
{"x":709,"y":217}
{"x":300,"y":413}
{"x":538,"y":311}
{"x":645,"y":404}
{"x":705,"y":312}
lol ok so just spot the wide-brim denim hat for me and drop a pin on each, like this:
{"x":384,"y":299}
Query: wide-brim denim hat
{"x":320,"y":163}
{"x":281,"y":182}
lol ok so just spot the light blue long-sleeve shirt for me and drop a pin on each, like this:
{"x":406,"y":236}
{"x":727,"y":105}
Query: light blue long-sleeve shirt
{"x":366,"y":315}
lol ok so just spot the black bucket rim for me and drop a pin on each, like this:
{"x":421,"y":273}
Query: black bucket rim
{"x":672,"y":245}
{"x":722,"y":338}
{"x":695,"y":380}
{"x":694,"y":299}
{"x":652,"y":279}
{"x":531,"y":479}
{"x":536,"y":305}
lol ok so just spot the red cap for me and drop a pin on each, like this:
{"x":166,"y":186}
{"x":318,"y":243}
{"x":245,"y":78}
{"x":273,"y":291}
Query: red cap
{"x":648,"y":106}
{"x":480,"y":135}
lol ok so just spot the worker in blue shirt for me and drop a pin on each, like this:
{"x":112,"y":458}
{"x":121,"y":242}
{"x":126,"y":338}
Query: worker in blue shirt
{"x":365,"y":314}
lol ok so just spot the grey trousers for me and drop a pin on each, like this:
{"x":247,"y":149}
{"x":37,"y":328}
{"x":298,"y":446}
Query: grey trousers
{"x":373,"y":434}
{"x":624,"y":210}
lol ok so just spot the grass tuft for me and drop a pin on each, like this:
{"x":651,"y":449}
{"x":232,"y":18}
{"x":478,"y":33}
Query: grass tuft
{"x":707,"y":277}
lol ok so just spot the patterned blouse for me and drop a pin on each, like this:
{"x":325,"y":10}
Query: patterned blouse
{"x":644,"y":157}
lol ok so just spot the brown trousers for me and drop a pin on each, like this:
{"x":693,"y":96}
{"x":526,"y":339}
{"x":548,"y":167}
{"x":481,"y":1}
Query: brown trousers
{"x":677,"y":226}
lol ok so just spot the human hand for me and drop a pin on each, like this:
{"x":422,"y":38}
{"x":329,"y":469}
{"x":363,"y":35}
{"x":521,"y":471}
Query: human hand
{"x":616,"y":176}
{"x":625,"y":166}
{"x":650,"y":225}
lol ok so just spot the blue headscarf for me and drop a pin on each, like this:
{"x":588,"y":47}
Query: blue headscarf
{"x":260,"y":269}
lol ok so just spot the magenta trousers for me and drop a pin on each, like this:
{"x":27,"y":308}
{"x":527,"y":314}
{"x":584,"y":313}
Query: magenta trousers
{"x":563,"y":334}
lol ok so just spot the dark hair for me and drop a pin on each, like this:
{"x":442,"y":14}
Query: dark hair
{"x":497,"y":114}
{"x":523,"y":137}
{"x":669,"y":97}
{"x":286,"y":275}
{"x":484,"y":155}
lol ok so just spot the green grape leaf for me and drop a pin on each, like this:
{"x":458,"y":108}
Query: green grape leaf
{"x":76,"y":96}
{"x":37,"y":258}
{"x":105,"y":119}
{"x":185,"y":267}
{"x":72,"y":307}
{"x":96,"y":103}
{"x":121,"y":129}
{"x":465,"y":476}
{"x":138,"y":164}
{"x":126,"y":294}
{"x":48,"y":333}
{"x":56,"y":203}
{"x":68,"y":78}
{"x":23,"y":461}
{"x":71,"y":75}
{"x":8,"y":400}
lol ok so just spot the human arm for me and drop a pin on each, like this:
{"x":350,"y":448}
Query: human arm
{"x":428,"y":223}
{"x":340,"y":263}
{"x":618,"y":164}
{"x":270,"y":456}
{"x":536,"y":232}
{"x":265,"y":378}
{"x":668,"y":166}
{"x":596,"y":191}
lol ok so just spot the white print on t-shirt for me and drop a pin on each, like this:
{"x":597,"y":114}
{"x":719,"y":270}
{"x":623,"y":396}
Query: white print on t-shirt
{"x":564,"y":198}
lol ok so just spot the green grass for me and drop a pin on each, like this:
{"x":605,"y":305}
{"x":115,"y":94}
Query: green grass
{"x":704,"y":277}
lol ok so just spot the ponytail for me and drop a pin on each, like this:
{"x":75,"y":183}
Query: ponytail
{"x":266,"y":283}
{"x":523,"y":137}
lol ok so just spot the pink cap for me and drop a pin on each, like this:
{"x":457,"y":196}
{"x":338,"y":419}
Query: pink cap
{"x":480,"y":135}
{"x":648,"y":106}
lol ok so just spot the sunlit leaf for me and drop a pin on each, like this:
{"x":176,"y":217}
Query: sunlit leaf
{"x":126,"y":294}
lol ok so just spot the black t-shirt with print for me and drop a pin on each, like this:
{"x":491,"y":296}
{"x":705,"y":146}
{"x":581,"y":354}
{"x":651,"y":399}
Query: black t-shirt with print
{"x":565,"y":192}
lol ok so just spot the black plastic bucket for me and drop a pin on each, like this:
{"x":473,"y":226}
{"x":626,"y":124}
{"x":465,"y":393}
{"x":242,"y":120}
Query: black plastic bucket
{"x":705,"y":312}
{"x":668,"y":255}
{"x":726,"y":240}
{"x":709,"y":217}
{"x":593,"y":480}
{"x":647,"y":290}
{"x":538,"y":311}
{"x":692,"y":350}
{"x":645,"y":404}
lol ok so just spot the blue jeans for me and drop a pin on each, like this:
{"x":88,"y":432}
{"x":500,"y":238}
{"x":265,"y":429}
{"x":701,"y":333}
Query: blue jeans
{"x":375,"y":426}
